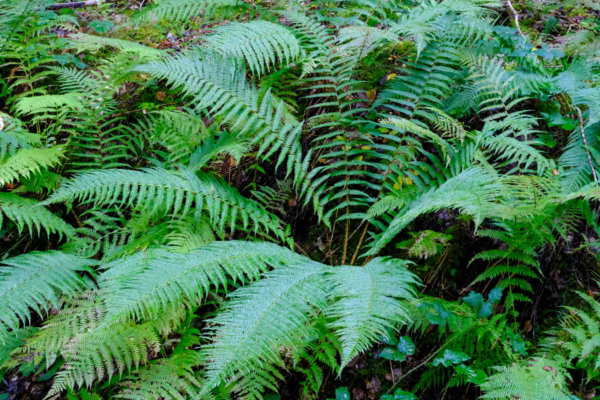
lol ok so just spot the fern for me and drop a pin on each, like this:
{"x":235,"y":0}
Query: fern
{"x":169,"y":192}
{"x":28,"y":162}
{"x":260,"y":43}
{"x":28,"y":213}
{"x":33,"y":280}
{"x":532,"y":379}
{"x":365,"y":300}
{"x":138,"y":288}
{"x":218,"y":84}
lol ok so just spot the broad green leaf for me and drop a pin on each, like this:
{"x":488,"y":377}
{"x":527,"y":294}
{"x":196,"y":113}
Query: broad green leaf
{"x":451,"y":358}
{"x":390,"y":353}
{"x":406,"y":345}
{"x":342,"y":393}
{"x":495,"y":295}
{"x":474,"y":300}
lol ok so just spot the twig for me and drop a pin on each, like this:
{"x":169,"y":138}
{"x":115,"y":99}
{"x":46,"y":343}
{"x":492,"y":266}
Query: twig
{"x":516,"y":18}
{"x":585,"y":143}
{"x":78,"y":4}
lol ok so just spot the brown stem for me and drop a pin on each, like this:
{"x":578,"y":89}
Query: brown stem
{"x":78,"y":4}
{"x":585,"y":143}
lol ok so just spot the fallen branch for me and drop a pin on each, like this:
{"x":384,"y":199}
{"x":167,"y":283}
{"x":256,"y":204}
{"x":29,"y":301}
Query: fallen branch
{"x":585,"y":143}
{"x":78,"y":4}
{"x":516,"y":18}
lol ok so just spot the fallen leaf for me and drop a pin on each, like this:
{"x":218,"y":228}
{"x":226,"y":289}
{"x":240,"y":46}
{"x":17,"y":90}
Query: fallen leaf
{"x":374,"y":385}
{"x":358,"y":393}
{"x":353,"y":362}
{"x":397,"y":375}
{"x":161,"y":96}
{"x":165,"y":44}
{"x":372,"y":94}
{"x":547,"y":368}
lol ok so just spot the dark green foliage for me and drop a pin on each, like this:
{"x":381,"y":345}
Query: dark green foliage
{"x":221,"y":211}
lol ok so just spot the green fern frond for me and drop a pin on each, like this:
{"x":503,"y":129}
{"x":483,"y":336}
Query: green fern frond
{"x":262,"y":318}
{"x":180,"y":10}
{"x":37,"y":104}
{"x":260,"y":43}
{"x":366,"y":300}
{"x":35,"y":281}
{"x":474,"y":191}
{"x":82,"y":41}
{"x":218,"y":84}
{"x":29,"y":213}
{"x":530,"y":380}
{"x":144,"y":284}
{"x":169,"y":192}
{"x":28,"y":162}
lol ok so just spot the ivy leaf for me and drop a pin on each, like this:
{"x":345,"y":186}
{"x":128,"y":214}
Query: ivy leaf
{"x":390,"y":353}
{"x":389,"y":337}
{"x":451,"y":358}
{"x":474,"y":300}
{"x":486,"y":310}
{"x":495,"y":295}
{"x":342,"y":393}
{"x":102,"y":27}
{"x":476,"y":376}
{"x":516,"y":341}
{"x":406,"y":345}
{"x":441,"y":314}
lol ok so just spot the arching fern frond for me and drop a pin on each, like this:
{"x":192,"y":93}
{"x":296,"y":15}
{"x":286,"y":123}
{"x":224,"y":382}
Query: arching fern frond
{"x":180,"y":10}
{"x":36,"y":280}
{"x":28,"y":162}
{"x":263,"y":317}
{"x":475,"y":191}
{"x":260,"y":43}
{"x":170,"y":192}
{"x":218,"y":85}
{"x":29,"y":213}
{"x":533,"y":379}
{"x":366,"y":302}
{"x":143,"y":285}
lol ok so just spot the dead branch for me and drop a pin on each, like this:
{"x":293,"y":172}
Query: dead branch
{"x":78,"y":4}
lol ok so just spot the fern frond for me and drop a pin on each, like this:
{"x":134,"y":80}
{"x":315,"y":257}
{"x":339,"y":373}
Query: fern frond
{"x":262,"y":318}
{"x":28,"y":162}
{"x":260,"y":43}
{"x":169,"y":192}
{"x":366,"y":300}
{"x":218,"y":84}
{"x":29,"y":213}
{"x":144,"y":284}
{"x":180,"y":10}
{"x":474,"y":191}
{"x":35,"y":281}
{"x":531,"y":380}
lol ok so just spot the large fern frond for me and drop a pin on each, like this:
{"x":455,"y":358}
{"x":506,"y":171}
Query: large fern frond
{"x":260,"y":43}
{"x":29,"y":213}
{"x":144,"y":284}
{"x":35,"y":281}
{"x":367,"y":300}
{"x":170,"y":192}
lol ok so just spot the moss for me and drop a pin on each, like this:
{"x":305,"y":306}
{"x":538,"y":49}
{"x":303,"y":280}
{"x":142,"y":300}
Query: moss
{"x":148,"y":34}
